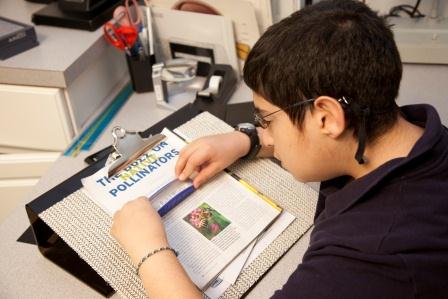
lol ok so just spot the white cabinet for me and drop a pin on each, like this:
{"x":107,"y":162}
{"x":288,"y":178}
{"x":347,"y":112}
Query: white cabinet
{"x":34,"y":118}
{"x":48,"y":94}
{"x":18,"y":175}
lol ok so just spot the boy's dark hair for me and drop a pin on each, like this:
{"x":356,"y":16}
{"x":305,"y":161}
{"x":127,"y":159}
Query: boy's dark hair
{"x":338,"y":48}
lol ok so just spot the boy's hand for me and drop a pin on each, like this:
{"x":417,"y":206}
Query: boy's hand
{"x":138,"y":228}
{"x":209,"y":155}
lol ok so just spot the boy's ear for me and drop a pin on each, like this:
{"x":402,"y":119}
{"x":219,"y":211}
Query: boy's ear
{"x":329,"y":116}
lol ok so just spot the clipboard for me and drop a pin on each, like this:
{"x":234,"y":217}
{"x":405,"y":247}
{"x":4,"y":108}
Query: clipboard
{"x":263,"y":174}
{"x":51,"y":244}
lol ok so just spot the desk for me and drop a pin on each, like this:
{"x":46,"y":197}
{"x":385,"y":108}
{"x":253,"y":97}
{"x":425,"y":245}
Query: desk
{"x":25,"y":273}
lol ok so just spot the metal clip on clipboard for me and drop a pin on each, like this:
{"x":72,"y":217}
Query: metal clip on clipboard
{"x":128,"y":146}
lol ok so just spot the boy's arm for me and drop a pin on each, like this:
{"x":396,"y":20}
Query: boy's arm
{"x":164,"y":277}
{"x":139,"y":230}
{"x":211,"y":154}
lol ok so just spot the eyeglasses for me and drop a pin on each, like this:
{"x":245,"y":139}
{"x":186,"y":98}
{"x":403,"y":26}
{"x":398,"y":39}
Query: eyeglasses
{"x":345,"y":103}
{"x":261,"y":120}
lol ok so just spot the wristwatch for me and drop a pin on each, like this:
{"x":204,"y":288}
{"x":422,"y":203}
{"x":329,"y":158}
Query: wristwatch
{"x":251,"y":131}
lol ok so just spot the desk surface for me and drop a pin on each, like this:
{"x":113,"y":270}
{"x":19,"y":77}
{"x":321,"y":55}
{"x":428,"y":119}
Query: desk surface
{"x":61,"y":56}
{"x":25,"y":273}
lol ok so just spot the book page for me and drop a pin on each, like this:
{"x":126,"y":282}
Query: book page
{"x":245,"y":258}
{"x":215,"y":224}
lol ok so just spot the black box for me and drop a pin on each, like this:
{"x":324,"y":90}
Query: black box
{"x":140,"y":71}
{"x":15,"y":37}
{"x":52,"y":15}
{"x":80,"y":5}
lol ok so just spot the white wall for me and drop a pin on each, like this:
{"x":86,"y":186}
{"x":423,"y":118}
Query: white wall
{"x":424,"y":83}
{"x":421,"y":83}
{"x":383,"y":6}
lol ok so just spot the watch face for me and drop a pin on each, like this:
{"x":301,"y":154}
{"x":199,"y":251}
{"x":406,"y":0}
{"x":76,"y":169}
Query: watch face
{"x":247,"y":126}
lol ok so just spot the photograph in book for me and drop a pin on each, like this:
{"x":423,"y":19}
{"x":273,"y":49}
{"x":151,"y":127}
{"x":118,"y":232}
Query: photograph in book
{"x":207,"y":221}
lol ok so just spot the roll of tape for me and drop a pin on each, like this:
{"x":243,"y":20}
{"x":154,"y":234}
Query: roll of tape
{"x":215,"y":83}
{"x":213,"y":87}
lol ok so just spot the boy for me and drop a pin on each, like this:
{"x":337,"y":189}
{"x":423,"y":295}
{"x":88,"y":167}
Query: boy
{"x":325,"y":82}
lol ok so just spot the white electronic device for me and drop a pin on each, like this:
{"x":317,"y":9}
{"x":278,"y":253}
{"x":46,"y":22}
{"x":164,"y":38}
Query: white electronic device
{"x":202,"y":37}
{"x":421,"y":40}
{"x":244,"y":19}
{"x":283,"y":8}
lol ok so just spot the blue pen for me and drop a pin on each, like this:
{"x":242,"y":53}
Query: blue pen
{"x":175,"y":200}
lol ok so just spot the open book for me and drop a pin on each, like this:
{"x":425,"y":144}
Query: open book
{"x":209,"y":228}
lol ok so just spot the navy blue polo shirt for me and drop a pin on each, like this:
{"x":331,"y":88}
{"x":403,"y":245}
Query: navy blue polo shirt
{"x":384,"y":235}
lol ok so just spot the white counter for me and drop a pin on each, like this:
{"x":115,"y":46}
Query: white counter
{"x":60,"y":58}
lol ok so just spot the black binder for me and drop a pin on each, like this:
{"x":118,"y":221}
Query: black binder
{"x":51,"y":245}
{"x":54,"y":248}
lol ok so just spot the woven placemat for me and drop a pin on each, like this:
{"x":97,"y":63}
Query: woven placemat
{"x":85,"y":227}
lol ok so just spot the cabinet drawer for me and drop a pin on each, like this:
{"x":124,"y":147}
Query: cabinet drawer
{"x":34,"y":118}
{"x":19,"y":173}
{"x":26,"y":165}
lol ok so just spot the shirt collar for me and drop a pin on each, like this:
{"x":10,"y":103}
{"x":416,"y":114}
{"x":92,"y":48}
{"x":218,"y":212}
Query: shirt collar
{"x":423,"y":115}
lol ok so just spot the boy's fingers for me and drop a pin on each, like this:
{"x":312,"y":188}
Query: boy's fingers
{"x":191,"y":165}
{"x":180,"y":165}
{"x":205,"y":174}
{"x":189,"y":148}
{"x":184,"y":155}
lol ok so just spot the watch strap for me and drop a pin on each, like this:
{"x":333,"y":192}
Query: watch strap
{"x":255,"y":145}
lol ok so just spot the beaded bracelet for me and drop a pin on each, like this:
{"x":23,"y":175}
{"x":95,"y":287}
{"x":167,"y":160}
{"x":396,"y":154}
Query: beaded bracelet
{"x":152,"y":253}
